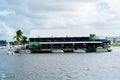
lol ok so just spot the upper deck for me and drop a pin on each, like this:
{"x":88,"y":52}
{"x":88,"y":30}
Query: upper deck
{"x":59,"y":39}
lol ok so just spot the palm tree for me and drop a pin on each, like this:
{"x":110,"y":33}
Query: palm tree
{"x":19,"y":36}
{"x":24,"y":40}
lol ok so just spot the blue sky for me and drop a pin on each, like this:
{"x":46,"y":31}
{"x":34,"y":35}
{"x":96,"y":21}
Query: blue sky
{"x":101,"y":17}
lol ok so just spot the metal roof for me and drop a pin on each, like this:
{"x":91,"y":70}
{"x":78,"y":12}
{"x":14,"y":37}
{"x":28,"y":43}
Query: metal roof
{"x":58,"y":33}
{"x":70,"y":42}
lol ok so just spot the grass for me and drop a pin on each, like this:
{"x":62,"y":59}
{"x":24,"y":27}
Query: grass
{"x":115,"y":44}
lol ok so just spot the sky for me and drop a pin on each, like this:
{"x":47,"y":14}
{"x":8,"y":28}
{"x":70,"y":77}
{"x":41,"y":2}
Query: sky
{"x":100,"y":17}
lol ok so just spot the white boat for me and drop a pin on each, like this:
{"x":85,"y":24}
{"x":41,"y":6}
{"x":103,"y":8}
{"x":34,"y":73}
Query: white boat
{"x":10,"y":51}
{"x":79,"y":50}
{"x":58,"y":51}
{"x":25,"y":51}
{"x":100,"y":49}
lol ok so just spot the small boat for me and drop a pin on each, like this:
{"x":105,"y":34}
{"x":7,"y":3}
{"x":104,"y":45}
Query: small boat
{"x":10,"y":51}
{"x":79,"y":50}
{"x":109,"y":50}
{"x":58,"y":51}
{"x":100,"y":49}
{"x":25,"y":51}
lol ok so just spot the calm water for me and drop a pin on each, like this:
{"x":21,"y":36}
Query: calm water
{"x":68,"y":66}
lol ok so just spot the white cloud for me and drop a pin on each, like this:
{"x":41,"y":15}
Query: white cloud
{"x":6,"y":13}
{"x":6,"y":32}
{"x":95,"y":15}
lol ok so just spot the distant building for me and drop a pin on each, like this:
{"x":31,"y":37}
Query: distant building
{"x":114,"y":40}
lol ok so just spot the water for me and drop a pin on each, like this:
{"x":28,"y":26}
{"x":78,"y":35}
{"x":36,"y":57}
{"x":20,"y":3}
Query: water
{"x":67,"y":66}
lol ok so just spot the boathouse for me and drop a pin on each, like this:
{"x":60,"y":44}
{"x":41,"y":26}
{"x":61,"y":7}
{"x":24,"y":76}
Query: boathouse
{"x":64,"y":40}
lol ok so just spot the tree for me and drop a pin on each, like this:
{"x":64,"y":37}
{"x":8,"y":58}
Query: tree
{"x":93,"y":37}
{"x":24,"y":40}
{"x":13,"y":43}
{"x":19,"y":36}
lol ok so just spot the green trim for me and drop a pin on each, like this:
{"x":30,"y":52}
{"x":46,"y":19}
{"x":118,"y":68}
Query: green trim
{"x":37,"y":44}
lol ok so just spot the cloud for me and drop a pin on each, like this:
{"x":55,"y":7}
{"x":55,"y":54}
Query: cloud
{"x":6,"y":32}
{"x":6,"y":13}
{"x":61,"y":14}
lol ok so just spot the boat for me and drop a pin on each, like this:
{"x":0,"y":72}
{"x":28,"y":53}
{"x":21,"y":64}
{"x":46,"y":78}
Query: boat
{"x":10,"y":51}
{"x":26,"y":51}
{"x":109,"y":50}
{"x":100,"y":49}
{"x":57,"y":51}
{"x":79,"y":50}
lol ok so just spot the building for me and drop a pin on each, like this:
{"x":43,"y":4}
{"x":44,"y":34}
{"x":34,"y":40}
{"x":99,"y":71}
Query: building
{"x":66,"y":40}
{"x":114,"y":40}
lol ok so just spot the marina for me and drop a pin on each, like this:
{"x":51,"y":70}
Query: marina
{"x":59,"y":41}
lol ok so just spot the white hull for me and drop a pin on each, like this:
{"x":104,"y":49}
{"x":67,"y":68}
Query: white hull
{"x":79,"y":51}
{"x":9,"y":52}
{"x":58,"y":51}
{"x":102,"y":50}
{"x":24,"y":51}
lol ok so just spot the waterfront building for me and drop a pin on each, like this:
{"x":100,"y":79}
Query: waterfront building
{"x":64,"y":41}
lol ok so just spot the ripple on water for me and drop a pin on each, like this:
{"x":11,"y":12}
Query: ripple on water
{"x":7,"y":76}
{"x":88,"y":66}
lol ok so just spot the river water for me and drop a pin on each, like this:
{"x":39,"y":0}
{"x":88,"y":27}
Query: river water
{"x":66,"y":66}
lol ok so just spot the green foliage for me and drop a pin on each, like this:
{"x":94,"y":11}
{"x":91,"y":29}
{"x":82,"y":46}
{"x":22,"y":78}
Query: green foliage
{"x":13,"y":43}
{"x":20,"y":39}
{"x":115,"y":44}
{"x":109,"y":41}
{"x":24,"y":40}
{"x":18,"y":36}
{"x":93,"y":37}
{"x":3,"y":41}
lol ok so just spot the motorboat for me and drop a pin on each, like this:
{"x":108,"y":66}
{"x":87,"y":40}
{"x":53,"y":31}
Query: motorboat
{"x":26,"y":51}
{"x":10,"y":51}
{"x":79,"y":50}
{"x":100,"y":49}
{"x":57,"y":51}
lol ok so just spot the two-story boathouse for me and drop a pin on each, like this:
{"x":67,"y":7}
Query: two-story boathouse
{"x":68,"y":43}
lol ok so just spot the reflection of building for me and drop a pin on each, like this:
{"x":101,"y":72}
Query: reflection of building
{"x":114,"y":40}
